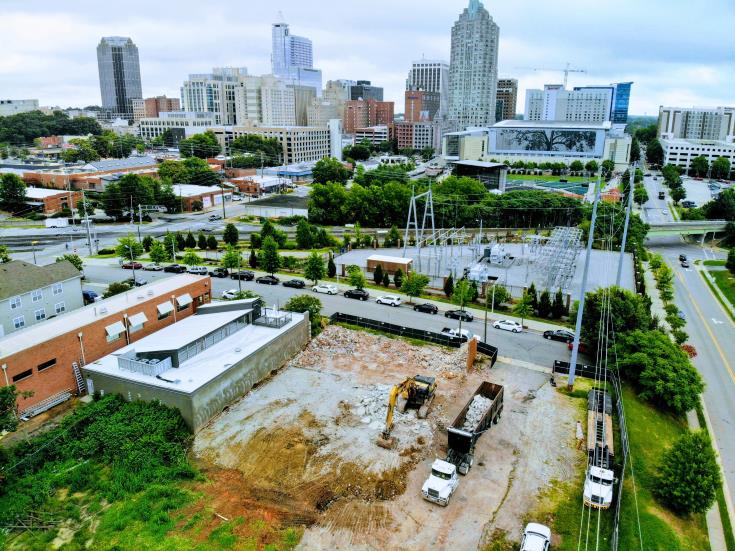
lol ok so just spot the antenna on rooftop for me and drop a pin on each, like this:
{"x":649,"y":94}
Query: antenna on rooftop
{"x":280,"y":18}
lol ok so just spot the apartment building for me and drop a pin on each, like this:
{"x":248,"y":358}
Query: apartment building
{"x":213,"y":93}
{"x":507,"y":99}
{"x":299,"y":143}
{"x":696,"y":123}
{"x":153,"y":107}
{"x":365,"y":113}
{"x":14,"y":106}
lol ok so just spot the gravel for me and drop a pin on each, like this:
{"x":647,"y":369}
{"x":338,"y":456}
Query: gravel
{"x":478,"y":408}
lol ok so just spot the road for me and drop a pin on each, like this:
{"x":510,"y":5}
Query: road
{"x":712,"y":333}
{"x":655,"y":210}
{"x":528,"y":347}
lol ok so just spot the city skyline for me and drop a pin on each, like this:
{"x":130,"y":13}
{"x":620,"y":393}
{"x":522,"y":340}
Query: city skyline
{"x":53,"y":58}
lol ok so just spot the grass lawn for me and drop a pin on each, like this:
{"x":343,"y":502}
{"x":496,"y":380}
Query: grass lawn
{"x":661,"y":529}
{"x":726,"y":282}
{"x":714,"y":262}
{"x":541,"y":178}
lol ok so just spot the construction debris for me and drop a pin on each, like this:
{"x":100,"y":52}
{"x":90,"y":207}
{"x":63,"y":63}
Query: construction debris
{"x":477,"y":410}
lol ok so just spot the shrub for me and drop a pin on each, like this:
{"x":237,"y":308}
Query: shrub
{"x":688,"y":476}
{"x":689,"y":350}
{"x":307,"y":303}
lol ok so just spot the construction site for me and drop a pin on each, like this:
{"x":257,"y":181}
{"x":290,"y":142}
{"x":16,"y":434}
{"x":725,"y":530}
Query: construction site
{"x":314,"y":448}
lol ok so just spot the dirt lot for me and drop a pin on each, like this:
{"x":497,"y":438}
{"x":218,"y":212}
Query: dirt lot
{"x":300,"y":449}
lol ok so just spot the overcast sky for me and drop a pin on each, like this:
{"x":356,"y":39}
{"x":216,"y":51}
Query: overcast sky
{"x":677,"y":52}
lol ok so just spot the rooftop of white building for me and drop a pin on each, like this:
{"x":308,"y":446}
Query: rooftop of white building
{"x":554,"y":124}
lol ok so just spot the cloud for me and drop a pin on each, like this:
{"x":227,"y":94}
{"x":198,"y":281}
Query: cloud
{"x":668,"y":48}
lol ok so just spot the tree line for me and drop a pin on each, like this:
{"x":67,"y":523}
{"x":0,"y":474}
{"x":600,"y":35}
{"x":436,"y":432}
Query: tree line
{"x":23,"y":128}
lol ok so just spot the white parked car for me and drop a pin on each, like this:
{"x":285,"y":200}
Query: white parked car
{"x":237,"y":197}
{"x":229,"y":294}
{"x":153,"y":267}
{"x":197,"y":270}
{"x":441,"y":483}
{"x":508,"y":325}
{"x":536,"y":537}
{"x":390,"y":300}
{"x":325,"y":288}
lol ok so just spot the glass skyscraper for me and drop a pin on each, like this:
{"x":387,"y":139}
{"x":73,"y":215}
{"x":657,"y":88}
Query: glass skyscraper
{"x":620,"y":102}
{"x":292,"y":58}
{"x":119,"y":69}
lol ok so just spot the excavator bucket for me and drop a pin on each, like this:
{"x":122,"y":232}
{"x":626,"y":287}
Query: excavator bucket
{"x":388,"y":442}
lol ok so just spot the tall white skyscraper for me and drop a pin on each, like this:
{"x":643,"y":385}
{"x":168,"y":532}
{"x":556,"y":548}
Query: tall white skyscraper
{"x":292,"y":58}
{"x":430,"y":76}
{"x":213,"y":93}
{"x":473,"y":68}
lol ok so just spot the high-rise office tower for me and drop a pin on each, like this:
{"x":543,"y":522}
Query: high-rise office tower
{"x":292,"y":58}
{"x":119,"y":69}
{"x":473,"y":68}
{"x":597,"y":103}
{"x":213,"y":93}
{"x":431,"y":76}
{"x":507,"y":99}
{"x":364,"y":90}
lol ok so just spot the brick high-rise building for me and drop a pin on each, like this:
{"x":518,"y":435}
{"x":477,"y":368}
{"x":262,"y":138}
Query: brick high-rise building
{"x":507,"y":99}
{"x":421,"y":105}
{"x":151,"y":108}
{"x":366,"y":113}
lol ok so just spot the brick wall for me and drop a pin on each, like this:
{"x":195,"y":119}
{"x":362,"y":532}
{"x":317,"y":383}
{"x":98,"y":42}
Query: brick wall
{"x":66,"y":348}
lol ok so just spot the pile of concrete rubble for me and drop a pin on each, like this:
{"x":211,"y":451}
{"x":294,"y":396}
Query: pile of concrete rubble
{"x":478,"y":408}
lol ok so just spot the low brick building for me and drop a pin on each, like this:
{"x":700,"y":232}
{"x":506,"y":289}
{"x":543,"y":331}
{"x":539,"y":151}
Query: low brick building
{"x":257,"y":185}
{"x":42,"y":358}
{"x":192,"y":195}
{"x":91,"y":176}
{"x":51,"y":201}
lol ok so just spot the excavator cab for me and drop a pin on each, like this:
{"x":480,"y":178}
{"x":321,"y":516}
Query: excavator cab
{"x":416,"y":392}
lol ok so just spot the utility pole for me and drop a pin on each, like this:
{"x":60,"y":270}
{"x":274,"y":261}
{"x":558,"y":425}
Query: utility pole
{"x":583,"y":291}
{"x":140,"y":220}
{"x":222,"y":187}
{"x":86,"y":223}
{"x":627,"y":221}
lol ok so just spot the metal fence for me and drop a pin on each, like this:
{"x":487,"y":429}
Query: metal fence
{"x":429,"y":336}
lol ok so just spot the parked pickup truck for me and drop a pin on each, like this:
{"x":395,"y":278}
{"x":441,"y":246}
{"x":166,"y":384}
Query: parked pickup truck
{"x":465,"y":335}
{"x":478,"y":414}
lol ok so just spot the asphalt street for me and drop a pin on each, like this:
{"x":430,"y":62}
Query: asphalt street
{"x":528,"y":347}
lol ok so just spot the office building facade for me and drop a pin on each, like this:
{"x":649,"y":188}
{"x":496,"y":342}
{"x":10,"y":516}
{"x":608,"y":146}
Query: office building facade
{"x":14,"y":106}
{"x":119,"y":72}
{"x":431,"y":76}
{"x":365,"y":90}
{"x":421,"y":105}
{"x":180,"y":124}
{"x":292,"y":59}
{"x":473,"y":68}
{"x":365,"y":113}
{"x":593,"y":104}
{"x":507,"y":99}
{"x":697,"y":123}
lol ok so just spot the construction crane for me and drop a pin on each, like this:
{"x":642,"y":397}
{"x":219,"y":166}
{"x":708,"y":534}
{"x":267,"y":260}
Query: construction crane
{"x":566,"y":70}
{"x":415,"y":392}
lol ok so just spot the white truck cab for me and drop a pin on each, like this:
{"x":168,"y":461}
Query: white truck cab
{"x":598,"y":487}
{"x":536,"y":537}
{"x":441,"y":483}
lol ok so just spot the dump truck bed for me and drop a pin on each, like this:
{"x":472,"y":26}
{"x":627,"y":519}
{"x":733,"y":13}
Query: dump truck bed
{"x":462,"y":440}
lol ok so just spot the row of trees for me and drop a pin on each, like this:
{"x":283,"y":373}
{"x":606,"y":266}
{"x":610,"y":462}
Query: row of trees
{"x":104,"y":145}
{"x":191,"y":170}
{"x":22,"y":129}
{"x":12,"y":193}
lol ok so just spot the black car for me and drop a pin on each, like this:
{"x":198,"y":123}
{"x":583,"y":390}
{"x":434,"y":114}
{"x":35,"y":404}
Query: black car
{"x":426,"y":308}
{"x":295,"y":283}
{"x":175,"y":269}
{"x":463,"y":315}
{"x":359,"y":294}
{"x":684,"y":263}
{"x":682,"y":258}
{"x":89,"y":296}
{"x":219,"y":272}
{"x":559,"y":335}
{"x":268,"y":280}
{"x":243,"y":274}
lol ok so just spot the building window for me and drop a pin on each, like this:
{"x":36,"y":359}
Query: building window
{"x":114,"y":337}
{"x":15,"y":302}
{"x":46,"y":365}
{"x":36,"y":295}
{"x":22,"y":375}
{"x":19,"y":322}
{"x":58,"y":288}
{"x":60,"y":307}
{"x":40,"y":314}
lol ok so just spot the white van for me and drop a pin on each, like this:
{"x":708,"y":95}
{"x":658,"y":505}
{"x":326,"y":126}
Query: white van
{"x":197,"y":270}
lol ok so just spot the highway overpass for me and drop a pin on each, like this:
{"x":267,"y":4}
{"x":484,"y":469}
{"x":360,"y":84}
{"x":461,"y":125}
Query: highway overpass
{"x":686,"y":227}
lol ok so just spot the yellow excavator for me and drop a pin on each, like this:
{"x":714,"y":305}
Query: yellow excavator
{"x":415,"y":392}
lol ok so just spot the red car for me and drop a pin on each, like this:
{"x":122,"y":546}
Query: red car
{"x":582,"y":347}
{"x":132,"y":266}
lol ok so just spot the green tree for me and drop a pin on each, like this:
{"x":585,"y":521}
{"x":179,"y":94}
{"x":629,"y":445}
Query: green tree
{"x":654,"y":153}
{"x":169,"y":244}
{"x":414,"y":284}
{"x":398,"y":278}
{"x":231,"y":235}
{"x":147,"y":242}
{"x":12,"y":192}
{"x":329,"y":169}
{"x":392,"y":238}
{"x":635,"y":150}
{"x":191,"y":258}
{"x":533,"y":294}
{"x":688,"y":475}
{"x":462,"y":294}
{"x":128,"y":248}
{"x":730,"y":264}
{"x":270,"y":259}
{"x":544,"y":304}
{"x":378,"y":274}
{"x":231,"y":259}
{"x":524,"y":307}
{"x":202,"y":241}
{"x":356,"y":277}
{"x":253,"y":259}
{"x":558,"y":309}
{"x":721,"y":168}
{"x":576,"y":166}
{"x":180,"y":242}
{"x":8,"y":405}
{"x":74,"y":259}
{"x":314,"y":268}
{"x":386,"y":279}
{"x":159,"y":253}
{"x":4,"y":254}
{"x":307,"y":303}
{"x":203,"y":145}
{"x":678,"y":194}
{"x":190,"y":241}
{"x":357,"y":152}
{"x":449,"y":286}
{"x":608,"y":167}
{"x":331,"y":267}
{"x":212,"y":243}
{"x":115,"y":288}
{"x":304,"y":235}
{"x":592,"y":167}
{"x":699,"y":166}
{"x":628,"y":312}
{"x":640,"y":195}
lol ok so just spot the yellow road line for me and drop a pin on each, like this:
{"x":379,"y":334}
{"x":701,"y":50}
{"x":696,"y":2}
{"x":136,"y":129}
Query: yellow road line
{"x":707,"y":328}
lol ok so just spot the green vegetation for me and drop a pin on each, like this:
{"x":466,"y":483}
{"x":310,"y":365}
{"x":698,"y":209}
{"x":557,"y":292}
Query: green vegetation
{"x":356,"y":277}
{"x":74,"y":259}
{"x":4,"y":254}
{"x":231,"y":235}
{"x":330,"y":170}
{"x":115,"y":288}
{"x":12,"y":192}
{"x":314,"y":268}
{"x":307,"y":303}
{"x":203,"y":145}
{"x":103,"y":146}
{"x":725,"y":281}
{"x":133,"y":189}
{"x":413,"y":284}
{"x":252,"y":151}
{"x":550,"y":178}
{"x":22,"y":129}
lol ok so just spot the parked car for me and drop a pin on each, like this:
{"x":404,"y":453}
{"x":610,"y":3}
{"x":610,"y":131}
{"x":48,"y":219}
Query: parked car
{"x":684,"y":263}
{"x":175,"y":269}
{"x":219,"y":272}
{"x":325,"y":288}
{"x":426,"y":308}
{"x":230,"y":294}
{"x":359,"y":294}
{"x":214,"y":217}
{"x":153,"y":267}
{"x":295,"y":283}
{"x":682,"y":257}
{"x":536,"y":537}
{"x":131,"y":266}
{"x":136,"y":282}
{"x":197,"y":270}
{"x":559,"y":335}
{"x":582,"y":346}
{"x":268,"y":280}
{"x":463,"y":315}
{"x":237,"y":197}
{"x":89,"y":296}
{"x":247,"y":275}
{"x":508,"y":325}
{"x":390,"y":300}
{"x":465,"y":334}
